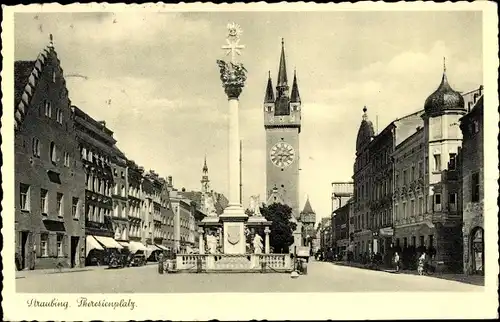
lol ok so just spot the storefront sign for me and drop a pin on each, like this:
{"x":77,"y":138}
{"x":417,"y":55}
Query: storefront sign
{"x":388,"y":231}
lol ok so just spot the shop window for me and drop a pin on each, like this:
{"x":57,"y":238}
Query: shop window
{"x":36,"y":147}
{"x":452,"y":200}
{"x":437,"y":202}
{"x":475,"y":187}
{"x":44,"y":244}
{"x":74,"y":208}
{"x":413,"y":241}
{"x":422,"y":243}
{"x":431,"y":240}
{"x":53,"y":152}
{"x":43,"y":201}
{"x":453,"y":161}
{"x":60,"y":204}
{"x":405,"y":242}
{"x":437,"y":162}
{"x":48,"y":109}
{"x":24,"y":192}
{"x":60,"y":251}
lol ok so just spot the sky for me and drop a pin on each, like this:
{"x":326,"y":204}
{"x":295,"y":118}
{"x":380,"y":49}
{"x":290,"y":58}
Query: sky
{"x":168,"y":108}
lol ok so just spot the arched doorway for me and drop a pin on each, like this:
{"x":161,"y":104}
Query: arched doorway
{"x":477,"y":251}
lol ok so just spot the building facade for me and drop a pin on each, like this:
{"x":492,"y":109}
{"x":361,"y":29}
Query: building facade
{"x":49,"y":180}
{"x":443,"y":138}
{"x":362,"y":190}
{"x":472,"y":174}
{"x":135,"y":201}
{"x":120,"y":212}
{"x":341,"y":228}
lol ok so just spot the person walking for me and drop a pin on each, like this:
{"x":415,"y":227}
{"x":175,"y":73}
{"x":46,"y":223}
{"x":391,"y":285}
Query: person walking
{"x":396,"y":261}
{"x":421,"y":263}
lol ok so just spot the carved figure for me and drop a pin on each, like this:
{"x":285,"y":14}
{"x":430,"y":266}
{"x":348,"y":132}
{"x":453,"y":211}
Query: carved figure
{"x":211,"y":244}
{"x":257,"y":244}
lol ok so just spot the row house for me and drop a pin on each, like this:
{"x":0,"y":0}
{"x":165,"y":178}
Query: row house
{"x":471,"y":170}
{"x":49,"y":178}
{"x":407,"y":183}
{"x":135,"y":202}
{"x":96,"y":150}
{"x":340,"y":225}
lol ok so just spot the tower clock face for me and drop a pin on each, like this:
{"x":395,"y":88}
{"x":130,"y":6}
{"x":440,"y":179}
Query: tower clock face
{"x":282,"y":154}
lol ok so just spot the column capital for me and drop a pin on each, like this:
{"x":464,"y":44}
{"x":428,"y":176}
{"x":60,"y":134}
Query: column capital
{"x":233,"y":91}
{"x":201,"y":230}
{"x":267,"y":230}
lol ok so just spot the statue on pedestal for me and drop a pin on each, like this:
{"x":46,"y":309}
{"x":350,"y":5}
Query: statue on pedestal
{"x":211,"y":243}
{"x":209,"y":206}
{"x":257,"y":244}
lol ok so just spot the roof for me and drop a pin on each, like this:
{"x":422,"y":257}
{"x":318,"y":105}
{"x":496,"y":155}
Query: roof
{"x":295,"y":96}
{"x":25,"y":81}
{"x":365,"y":132}
{"x":282,"y":77}
{"x":269,"y":98}
{"x":307,"y":208}
{"x":22,"y":71}
{"x":443,"y":99}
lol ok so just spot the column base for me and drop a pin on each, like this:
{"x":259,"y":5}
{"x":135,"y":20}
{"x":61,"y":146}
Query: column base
{"x":232,"y":212}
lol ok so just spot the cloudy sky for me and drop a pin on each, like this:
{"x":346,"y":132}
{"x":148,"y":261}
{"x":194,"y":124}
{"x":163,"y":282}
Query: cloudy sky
{"x":168,"y":108}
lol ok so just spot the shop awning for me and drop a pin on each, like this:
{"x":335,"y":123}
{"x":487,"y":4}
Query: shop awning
{"x":161,"y":247}
{"x":124,"y":244}
{"x":151,"y":249}
{"x":91,"y":243}
{"x":135,"y":246}
{"x":108,"y":242}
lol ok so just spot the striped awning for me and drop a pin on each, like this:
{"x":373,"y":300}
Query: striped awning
{"x":135,"y":246}
{"x":91,"y":243}
{"x":108,"y":242}
{"x":161,"y":247}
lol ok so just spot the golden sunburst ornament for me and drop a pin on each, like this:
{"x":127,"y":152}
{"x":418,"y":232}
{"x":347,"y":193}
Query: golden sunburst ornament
{"x":234,"y":30}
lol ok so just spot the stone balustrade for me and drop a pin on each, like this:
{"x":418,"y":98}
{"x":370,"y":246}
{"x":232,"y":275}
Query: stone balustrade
{"x":233,"y":263}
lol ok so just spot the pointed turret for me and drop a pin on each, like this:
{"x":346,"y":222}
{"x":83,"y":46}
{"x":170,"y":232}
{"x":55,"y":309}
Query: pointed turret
{"x":269,"y":98}
{"x":307,"y":208}
{"x":205,"y":167}
{"x":295,"y":96}
{"x":282,"y":86}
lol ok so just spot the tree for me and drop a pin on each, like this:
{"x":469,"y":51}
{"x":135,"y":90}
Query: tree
{"x":282,"y":228}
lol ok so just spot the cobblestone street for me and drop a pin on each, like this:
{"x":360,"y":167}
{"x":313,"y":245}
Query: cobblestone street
{"x":322,"y":277}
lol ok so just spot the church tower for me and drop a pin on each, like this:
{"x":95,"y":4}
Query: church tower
{"x":205,"y":182}
{"x":282,"y":122}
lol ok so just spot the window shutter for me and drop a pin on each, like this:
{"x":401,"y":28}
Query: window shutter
{"x":37,"y":243}
{"x":52,"y":245}
{"x":65,"y":245}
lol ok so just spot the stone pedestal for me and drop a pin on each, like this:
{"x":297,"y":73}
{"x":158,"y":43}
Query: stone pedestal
{"x":233,"y":219}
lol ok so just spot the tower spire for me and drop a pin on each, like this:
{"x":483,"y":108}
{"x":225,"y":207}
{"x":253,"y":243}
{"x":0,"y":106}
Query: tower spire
{"x":205,"y":167}
{"x":269,"y":98}
{"x":282,"y":77}
{"x":295,"y":96}
{"x":445,"y":78}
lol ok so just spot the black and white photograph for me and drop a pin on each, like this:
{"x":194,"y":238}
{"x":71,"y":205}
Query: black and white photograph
{"x":214,"y":153}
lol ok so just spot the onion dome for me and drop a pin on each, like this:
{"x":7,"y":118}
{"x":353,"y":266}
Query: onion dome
{"x":365,"y":132}
{"x":444,"y":98}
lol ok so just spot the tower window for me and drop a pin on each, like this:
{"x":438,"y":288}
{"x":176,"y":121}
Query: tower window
{"x":282,"y":186}
{"x":282,"y":139}
{"x":437,"y":162}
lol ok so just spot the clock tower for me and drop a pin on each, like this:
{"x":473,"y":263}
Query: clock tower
{"x":282,"y":121}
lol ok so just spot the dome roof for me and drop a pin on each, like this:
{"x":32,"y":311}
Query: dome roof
{"x":443,"y":99}
{"x":365,"y":132}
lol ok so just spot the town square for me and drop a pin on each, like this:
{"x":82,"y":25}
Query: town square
{"x":250,"y":152}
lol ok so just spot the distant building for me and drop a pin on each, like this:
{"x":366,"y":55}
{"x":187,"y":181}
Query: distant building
{"x":341,"y":228}
{"x":472,"y":174}
{"x":49,"y":178}
{"x":308,"y":219}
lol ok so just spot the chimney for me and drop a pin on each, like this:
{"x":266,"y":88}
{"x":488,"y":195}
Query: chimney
{"x":169,"y":181}
{"x":103,"y":123}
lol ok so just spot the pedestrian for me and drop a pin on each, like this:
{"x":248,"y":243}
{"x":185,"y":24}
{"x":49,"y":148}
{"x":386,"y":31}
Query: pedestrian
{"x":421,"y":263}
{"x":396,"y":261}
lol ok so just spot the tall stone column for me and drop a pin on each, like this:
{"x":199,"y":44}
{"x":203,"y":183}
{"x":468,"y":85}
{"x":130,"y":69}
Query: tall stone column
{"x":233,"y":77}
{"x":267,"y":248}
